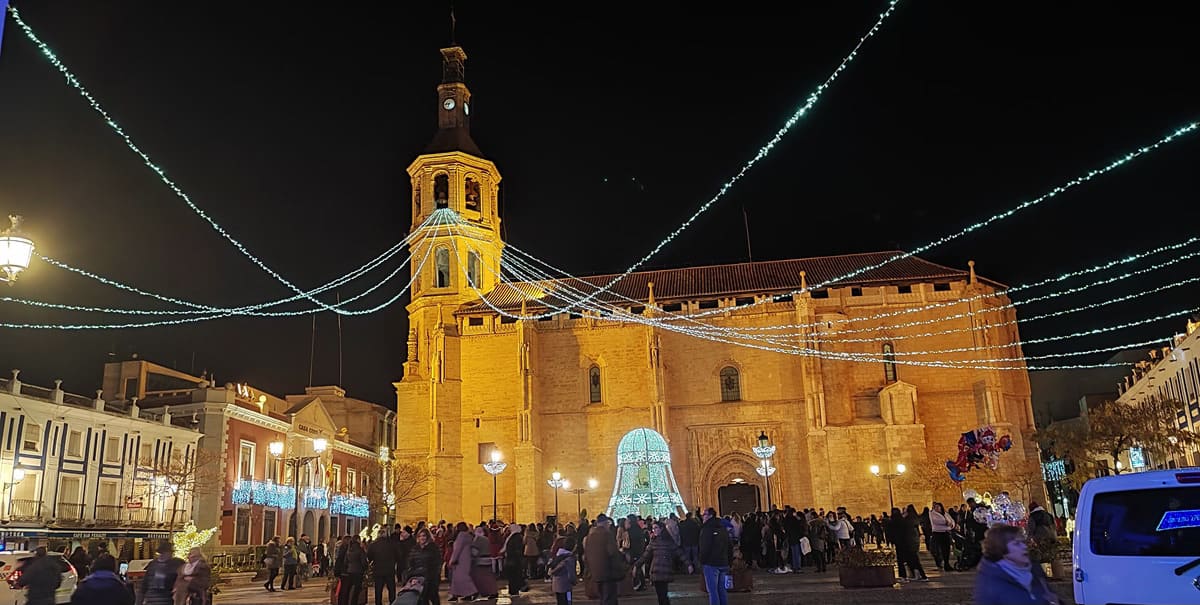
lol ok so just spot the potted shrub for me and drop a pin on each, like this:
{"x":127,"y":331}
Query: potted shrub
{"x":1049,"y":554}
{"x":858,"y":568}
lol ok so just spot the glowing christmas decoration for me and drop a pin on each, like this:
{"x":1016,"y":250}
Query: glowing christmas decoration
{"x":1003,"y":510}
{"x":645,"y":483}
{"x":346,"y":504}
{"x":190,"y":537}
{"x":265,"y":493}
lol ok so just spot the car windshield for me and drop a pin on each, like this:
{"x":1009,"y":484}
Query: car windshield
{"x":1147,"y":523}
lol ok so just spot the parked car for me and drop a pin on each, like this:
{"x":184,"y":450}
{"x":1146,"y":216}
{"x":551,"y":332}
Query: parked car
{"x":1137,"y":539}
{"x":11,"y":563}
{"x":136,"y":571}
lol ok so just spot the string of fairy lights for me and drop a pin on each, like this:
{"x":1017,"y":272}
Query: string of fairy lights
{"x":577,"y":296}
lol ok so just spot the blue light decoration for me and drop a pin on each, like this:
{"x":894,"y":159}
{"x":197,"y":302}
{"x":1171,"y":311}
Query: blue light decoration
{"x":1179,"y":519}
{"x":645,"y":483}
{"x":316,"y":498}
{"x":265,"y":493}
{"x":345,"y":504}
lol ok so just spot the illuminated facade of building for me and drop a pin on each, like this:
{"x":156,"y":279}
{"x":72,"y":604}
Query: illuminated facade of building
{"x":1170,"y":374}
{"x":559,"y":393}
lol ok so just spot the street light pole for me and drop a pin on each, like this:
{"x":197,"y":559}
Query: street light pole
{"x":385,"y":460}
{"x":592,"y":483}
{"x":556,"y":481}
{"x":494,"y":468}
{"x":277,"y":448}
{"x":900,"y":468}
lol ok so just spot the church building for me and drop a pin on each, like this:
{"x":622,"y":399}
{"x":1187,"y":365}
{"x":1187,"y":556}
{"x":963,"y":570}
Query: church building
{"x":558,"y":393}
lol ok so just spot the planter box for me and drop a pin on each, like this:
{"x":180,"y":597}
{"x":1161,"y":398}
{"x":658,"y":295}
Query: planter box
{"x":867,"y":577}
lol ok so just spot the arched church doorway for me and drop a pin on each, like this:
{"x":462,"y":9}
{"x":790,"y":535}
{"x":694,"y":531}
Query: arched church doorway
{"x":737,"y":498}
{"x":725,"y":470}
{"x":309,"y":523}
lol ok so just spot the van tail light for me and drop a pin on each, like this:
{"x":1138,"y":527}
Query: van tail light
{"x":13,"y":578}
{"x":1190,"y":478}
{"x":72,"y":570}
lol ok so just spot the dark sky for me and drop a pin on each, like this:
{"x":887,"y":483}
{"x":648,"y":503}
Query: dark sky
{"x":292,"y":124}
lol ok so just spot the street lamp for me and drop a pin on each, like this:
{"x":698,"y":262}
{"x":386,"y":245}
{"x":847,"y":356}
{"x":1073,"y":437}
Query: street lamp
{"x":389,"y":499}
{"x":900,"y":468}
{"x":15,"y":251}
{"x":556,"y":481}
{"x":276,"y":449}
{"x":592,"y":483}
{"x":764,"y":451}
{"x":494,"y":468}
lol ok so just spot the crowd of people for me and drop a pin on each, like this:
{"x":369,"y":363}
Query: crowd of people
{"x":168,"y":580}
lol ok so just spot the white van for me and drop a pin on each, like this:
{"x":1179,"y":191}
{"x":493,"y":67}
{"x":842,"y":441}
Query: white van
{"x":1137,"y":539}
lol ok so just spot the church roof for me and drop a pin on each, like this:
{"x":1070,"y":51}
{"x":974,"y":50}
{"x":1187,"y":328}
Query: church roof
{"x":453,"y":139}
{"x":778,"y":276}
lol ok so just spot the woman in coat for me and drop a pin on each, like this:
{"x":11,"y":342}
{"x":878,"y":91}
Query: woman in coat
{"x":425,"y":561}
{"x":481,"y":569}
{"x":532,"y":550}
{"x":514,"y":558}
{"x":195,"y":577}
{"x":271,"y":560}
{"x":662,"y":553}
{"x":291,"y":558}
{"x":913,"y":520}
{"x":461,"y":564}
{"x":1006,"y":574}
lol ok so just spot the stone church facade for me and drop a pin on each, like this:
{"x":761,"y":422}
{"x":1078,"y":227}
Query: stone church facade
{"x":557,"y":393}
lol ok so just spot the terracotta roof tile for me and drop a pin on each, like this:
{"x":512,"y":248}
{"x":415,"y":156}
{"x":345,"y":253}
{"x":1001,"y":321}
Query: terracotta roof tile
{"x":766,"y":277}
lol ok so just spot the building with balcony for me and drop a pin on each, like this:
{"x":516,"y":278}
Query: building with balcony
{"x":262,"y":448}
{"x":1171,"y":373}
{"x":77,"y":470}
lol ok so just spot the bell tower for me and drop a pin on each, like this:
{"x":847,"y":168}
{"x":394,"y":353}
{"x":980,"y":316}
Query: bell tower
{"x":458,"y":254}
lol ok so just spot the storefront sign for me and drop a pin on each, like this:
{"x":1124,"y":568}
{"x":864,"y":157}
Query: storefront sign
{"x":1136,"y":458}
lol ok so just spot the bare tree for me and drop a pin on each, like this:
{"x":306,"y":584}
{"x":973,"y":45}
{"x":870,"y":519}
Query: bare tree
{"x":184,"y":477}
{"x":409,"y":481}
{"x":929,"y":475}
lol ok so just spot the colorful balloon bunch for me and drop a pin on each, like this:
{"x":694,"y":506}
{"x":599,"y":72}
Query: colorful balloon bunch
{"x":980,"y":446}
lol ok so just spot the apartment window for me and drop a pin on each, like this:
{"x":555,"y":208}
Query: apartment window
{"x":31,"y":440}
{"x":75,"y":444}
{"x":109,"y":493}
{"x":941,"y":287}
{"x":112,"y":451}
{"x":904,"y":289}
{"x":337,"y":478}
{"x":731,"y":387}
{"x":246,"y":461}
{"x":269,"y":522}
{"x":68,"y":489}
{"x":334,"y":528}
{"x":272,"y":470}
{"x":241,"y":526}
{"x":352,"y":481}
{"x":146,"y":458}
{"x":27,"y":489}
{"x":855,"y":291}
{"x":594,"y":384}
{"x":474,"y":321}
{"x":889,"y":362}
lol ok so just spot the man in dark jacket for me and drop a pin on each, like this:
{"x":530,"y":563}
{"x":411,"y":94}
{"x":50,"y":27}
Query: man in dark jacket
{"x":41,"y":577}
{"x":103,"y":585}
{"x":599,"y":549}
{"x":689,"y":539}
{"x":403,"y":543}
{"x":714,"y":556}
{"x":353,"y":564}
{"x":382,"y":554}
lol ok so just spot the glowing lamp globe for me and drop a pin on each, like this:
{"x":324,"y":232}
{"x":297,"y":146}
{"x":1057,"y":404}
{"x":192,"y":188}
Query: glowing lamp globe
{"x":15,"y":251}
{"x":18,"y":475}
{"x":592,"y":483}
{"x":900,"y":468}
{"x":319,"y":445}
{"x":874,"y":469}
{"x":276,"y":448}
{"x":497,"y":456}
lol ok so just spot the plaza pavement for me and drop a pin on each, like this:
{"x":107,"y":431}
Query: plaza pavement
{"x":944,"y":588}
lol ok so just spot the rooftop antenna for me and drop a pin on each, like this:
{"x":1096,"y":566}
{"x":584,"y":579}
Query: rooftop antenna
{"x":746,"y":223}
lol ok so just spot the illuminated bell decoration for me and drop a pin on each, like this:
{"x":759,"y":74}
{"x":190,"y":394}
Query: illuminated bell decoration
{"x":15,"y":251}
{"x":645,"y":483}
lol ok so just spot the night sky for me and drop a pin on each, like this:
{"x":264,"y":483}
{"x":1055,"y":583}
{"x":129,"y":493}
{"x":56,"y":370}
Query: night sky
{"x":291,"y":125}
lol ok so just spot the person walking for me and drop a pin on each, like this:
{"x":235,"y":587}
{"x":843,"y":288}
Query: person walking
{"x":382,"y":555}
{"x":818,"y":540}
{"x":80,"y":561}
{"x":195,"y":578}
{"x":912,"y":544}
{"x":1006,"y":575}
{"x":291,"y":558}
{"x":562,"y":571}
{"x":481,"y":566}
{"x":352,"y":565}
{"x":271,"y":561}
{"x":604,"y":559}
{"x":661,"y":555}
{"x":40,"y":577}
{"x":425,"y":561}
{"x":461,"y":564}
{"x":304,"y":549}
{"x":941,"y":525}
{"x":514,"y":560}
{"x":714,"y":556}
{"x":158,"y":585}
{"x":103,"y":585}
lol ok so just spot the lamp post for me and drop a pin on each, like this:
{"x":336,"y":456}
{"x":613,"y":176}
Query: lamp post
{"x":389,"y":499}
{"x":900,"y":468}
{"x":592,"y":483}
{"x":764,"y":451}
{"x":15,"y":250}
{"x":276,"y":449}
{"x":556,"y":481}
{"x":494,"y":468}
